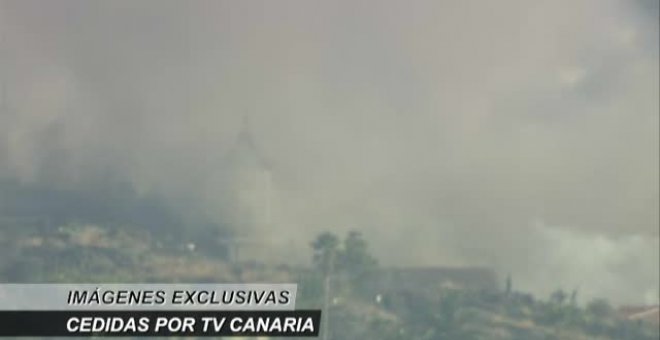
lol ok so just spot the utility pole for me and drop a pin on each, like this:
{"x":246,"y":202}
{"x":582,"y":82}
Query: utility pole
{"x":267,"y":197}
{"x":327,"y":302}
{"x":4,"y":90}
{"x":4,"y":74}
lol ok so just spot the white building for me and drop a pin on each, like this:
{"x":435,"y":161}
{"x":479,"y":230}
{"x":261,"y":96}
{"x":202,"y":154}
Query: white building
{"x":247,"y":204}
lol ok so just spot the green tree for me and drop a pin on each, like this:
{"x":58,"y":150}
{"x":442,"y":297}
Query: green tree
{"x":558,"y":297}
{"x":326,"y":247}
{"x":600,"y":308}
{"x":508,"y":285}
{"x":355,"y":261}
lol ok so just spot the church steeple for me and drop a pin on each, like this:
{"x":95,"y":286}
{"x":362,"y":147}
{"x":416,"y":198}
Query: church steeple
{"x":245,"y":150}
{"x":248,"y":184}
{"x":245,"y":134}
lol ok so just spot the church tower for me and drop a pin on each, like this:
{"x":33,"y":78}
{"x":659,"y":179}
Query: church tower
{"x":248,"y":185}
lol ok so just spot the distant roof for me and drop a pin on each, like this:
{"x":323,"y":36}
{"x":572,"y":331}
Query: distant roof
{"x":646,"y":313}
{"x":431,"y":277}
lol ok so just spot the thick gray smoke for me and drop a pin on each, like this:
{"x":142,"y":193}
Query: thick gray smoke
{"x":444,"y":129}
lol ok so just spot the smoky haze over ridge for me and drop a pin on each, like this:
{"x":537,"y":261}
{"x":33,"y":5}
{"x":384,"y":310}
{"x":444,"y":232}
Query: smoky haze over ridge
{"x":515,"y":135}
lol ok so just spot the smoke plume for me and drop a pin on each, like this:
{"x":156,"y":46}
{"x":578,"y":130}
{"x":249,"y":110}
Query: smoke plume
{"x":443,"y":130}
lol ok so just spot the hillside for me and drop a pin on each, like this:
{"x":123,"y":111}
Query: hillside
{"x":359,"y":308}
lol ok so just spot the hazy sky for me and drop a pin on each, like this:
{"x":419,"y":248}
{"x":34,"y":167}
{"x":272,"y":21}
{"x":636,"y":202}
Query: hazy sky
{"x":517,"y":134}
